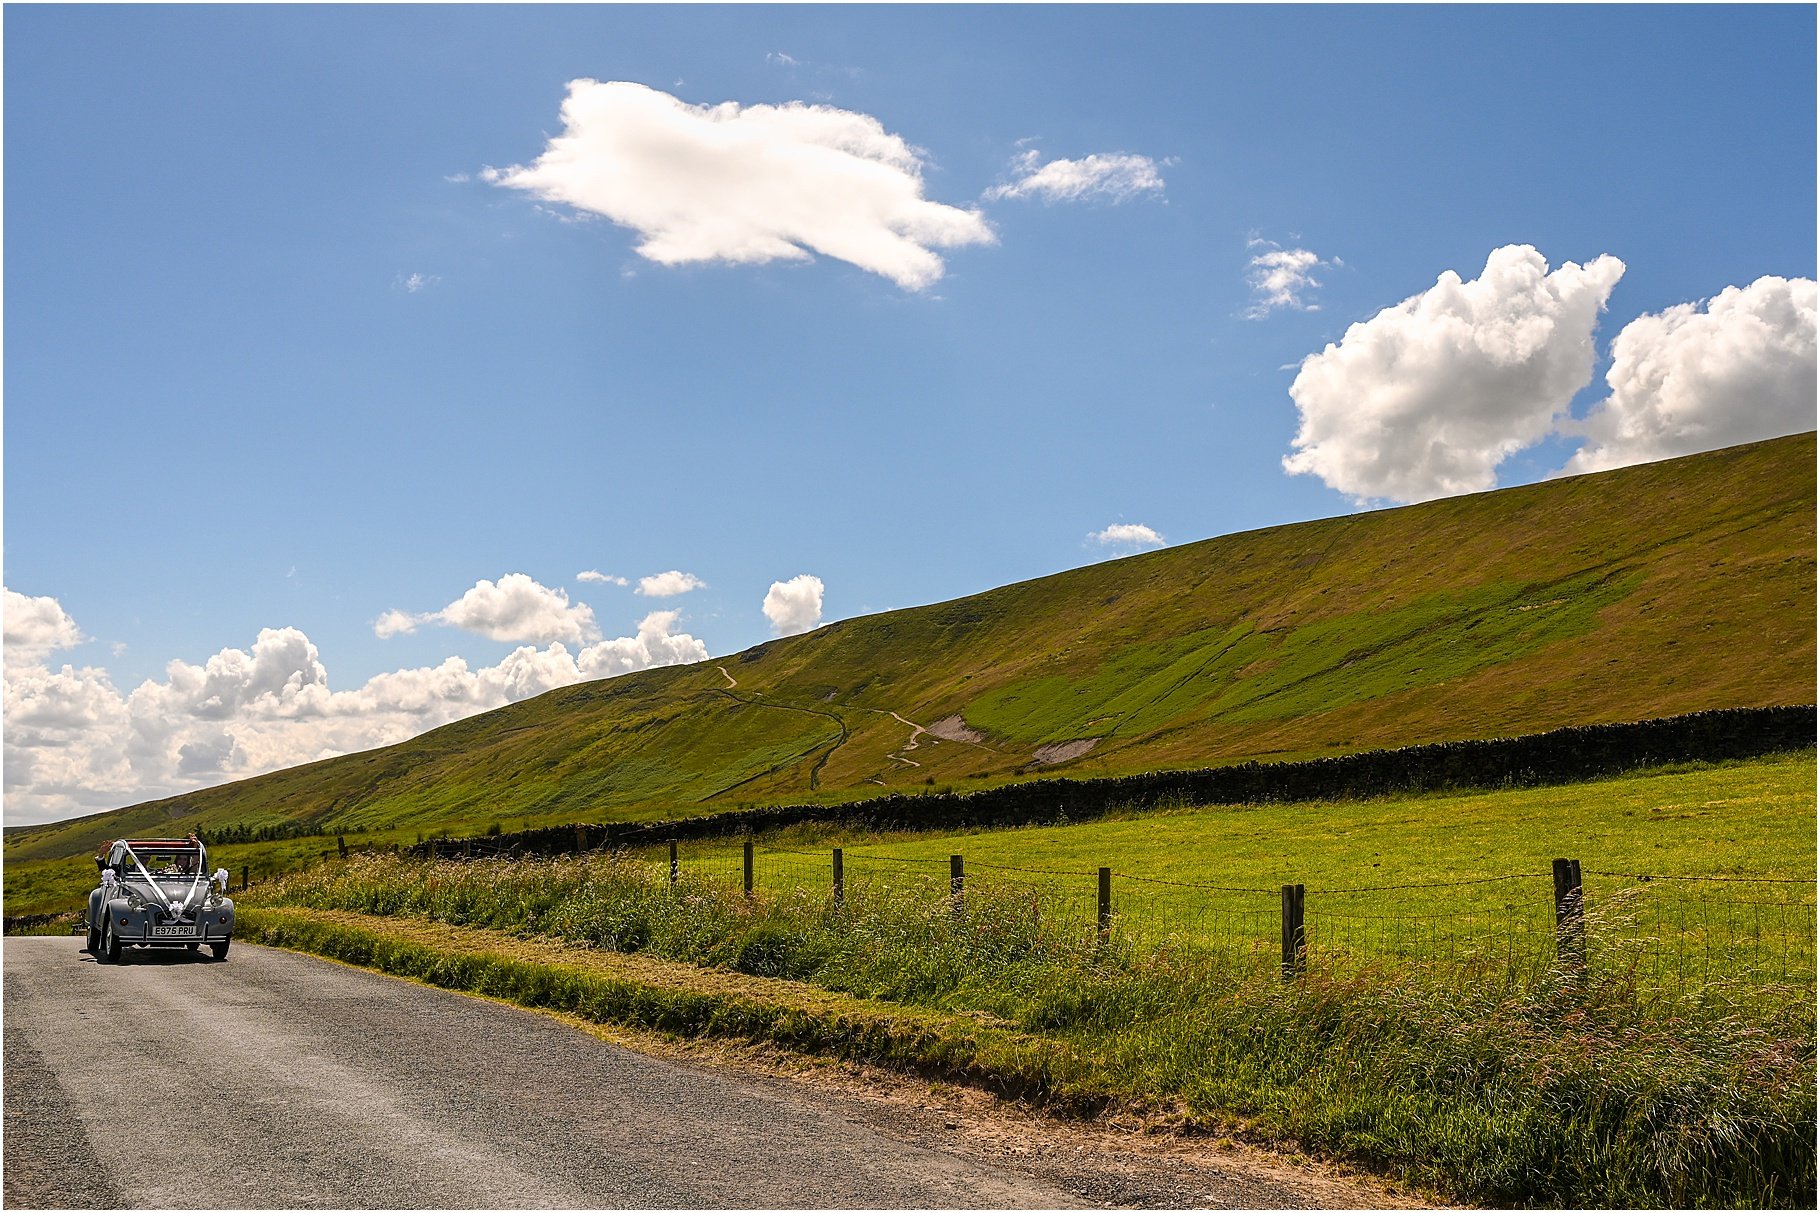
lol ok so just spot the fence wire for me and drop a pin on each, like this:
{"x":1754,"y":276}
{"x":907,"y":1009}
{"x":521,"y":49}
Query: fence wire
{"x":1673,"y":932}
{"x":1667,"y":932}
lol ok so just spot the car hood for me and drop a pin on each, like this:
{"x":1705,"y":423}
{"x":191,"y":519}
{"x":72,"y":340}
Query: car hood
{"x":175,"y":890}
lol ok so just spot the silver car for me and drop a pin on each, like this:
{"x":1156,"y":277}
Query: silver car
{"x":158,"y":893}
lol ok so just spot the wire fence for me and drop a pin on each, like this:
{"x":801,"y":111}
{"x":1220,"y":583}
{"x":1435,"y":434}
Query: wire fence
{"x":1668,"y":932}
{"x":1662,"y":932}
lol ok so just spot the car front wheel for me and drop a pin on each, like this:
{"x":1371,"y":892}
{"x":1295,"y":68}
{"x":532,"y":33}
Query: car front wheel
{"x":220,"y":949}
{"x":110,"y":943}
{"x":92,"y":945}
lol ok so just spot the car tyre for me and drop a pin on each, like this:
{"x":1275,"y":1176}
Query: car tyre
{"x":92,"y":945}
{"x":110,"y":943}
{"x":220,"y":949}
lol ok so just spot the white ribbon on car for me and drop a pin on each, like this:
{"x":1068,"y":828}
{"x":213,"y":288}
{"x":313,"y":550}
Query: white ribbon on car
{"x":221,"y":878}
{"x":171,"y":910}
{"x":109,"y":884}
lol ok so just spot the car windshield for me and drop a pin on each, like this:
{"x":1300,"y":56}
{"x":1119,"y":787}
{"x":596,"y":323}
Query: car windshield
{"x":175,"y":863}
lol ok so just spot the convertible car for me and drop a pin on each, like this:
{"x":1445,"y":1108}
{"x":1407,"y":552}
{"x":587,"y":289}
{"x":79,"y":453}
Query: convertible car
{"x":158,"y":893}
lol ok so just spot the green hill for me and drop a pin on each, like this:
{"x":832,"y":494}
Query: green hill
{"x":1647,"y":591}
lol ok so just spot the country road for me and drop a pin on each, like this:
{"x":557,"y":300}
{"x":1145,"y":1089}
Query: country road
{"x":278,"y":1080}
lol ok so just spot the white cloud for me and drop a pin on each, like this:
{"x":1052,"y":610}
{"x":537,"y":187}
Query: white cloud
{"x":36,"y":627}
{"x":75,"y":744}
{"x":746,"y":184}
{"x":670,"y":584}
{"x":1133,"y":535}
{"x":1282,"y":278}
{"x":1113,"y":176}
{"x":412,"y":283}
{"x":1697,"y":378}
{"x":596,"y":575}
{"x":67,"y":733}
{"x":780,"y":59}
{"x":514,"y":609}
{"x":654,"y":645}
{"x":795,"y":605}
{"x":1425,"y":399}
{"x":397,"y":623}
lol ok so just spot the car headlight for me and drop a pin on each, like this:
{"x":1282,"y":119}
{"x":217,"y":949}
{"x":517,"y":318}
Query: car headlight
{"x":134,"y":901}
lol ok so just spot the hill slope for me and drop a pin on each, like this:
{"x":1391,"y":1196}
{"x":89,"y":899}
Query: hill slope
{"x":1647,"y":591}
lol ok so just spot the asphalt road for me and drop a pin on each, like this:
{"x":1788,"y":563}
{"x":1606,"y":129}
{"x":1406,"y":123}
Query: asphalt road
{"x":278,"y":1080}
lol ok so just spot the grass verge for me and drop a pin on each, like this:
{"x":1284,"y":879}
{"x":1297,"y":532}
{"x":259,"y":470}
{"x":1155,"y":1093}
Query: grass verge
{"x":668,"y":996}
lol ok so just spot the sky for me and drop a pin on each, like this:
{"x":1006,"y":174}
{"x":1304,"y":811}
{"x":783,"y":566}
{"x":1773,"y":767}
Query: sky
{"x":368,"y":367}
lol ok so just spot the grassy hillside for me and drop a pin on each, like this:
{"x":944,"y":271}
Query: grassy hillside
{"x":1647,"y":591}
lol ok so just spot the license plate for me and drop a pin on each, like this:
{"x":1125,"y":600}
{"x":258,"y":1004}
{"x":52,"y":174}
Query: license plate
{"x":160,"y":932}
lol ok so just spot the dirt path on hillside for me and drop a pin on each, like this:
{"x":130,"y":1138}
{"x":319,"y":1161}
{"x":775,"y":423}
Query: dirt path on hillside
{"x":916,"y":731}
{"x":949,"y":728}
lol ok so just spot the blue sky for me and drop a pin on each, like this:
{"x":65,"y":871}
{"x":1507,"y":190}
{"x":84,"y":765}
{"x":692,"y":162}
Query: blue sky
{"x":282,"y":355}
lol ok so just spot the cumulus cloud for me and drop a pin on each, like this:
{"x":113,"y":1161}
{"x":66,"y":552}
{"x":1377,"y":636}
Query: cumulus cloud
{"x":1112,"y":177}
{"x":36,"y":627}
{"x":746,"y":184}
{"x":1426,"y":398}
{"x":670,"y":584}
{"x":66,"y":740}
{"x":1130,"y":535}
{"x":397,"y":623}
{"x":1282,"y":278}
{"x":795,"y":605}
{"x":74,"y":743}
{"x":1697,"y":377}
{"x":515,"y":608}
{"x":596,"y":575}
{"x":654,"y":645}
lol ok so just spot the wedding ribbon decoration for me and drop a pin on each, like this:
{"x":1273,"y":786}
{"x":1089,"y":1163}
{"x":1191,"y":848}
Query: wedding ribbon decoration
{"x":174,"y":911}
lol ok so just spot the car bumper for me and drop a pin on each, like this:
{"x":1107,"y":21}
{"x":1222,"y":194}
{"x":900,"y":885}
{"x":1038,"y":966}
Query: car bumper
{"x":136,"y":932}
{"x":170,"y":941}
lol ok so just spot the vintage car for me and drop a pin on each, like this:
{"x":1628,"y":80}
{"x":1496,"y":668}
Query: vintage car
{"x":158,"y":893}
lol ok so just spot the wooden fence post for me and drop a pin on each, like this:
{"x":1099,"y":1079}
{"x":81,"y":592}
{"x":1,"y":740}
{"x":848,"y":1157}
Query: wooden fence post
{"x":840,"y":880}
{"x":581,"y":837}
{"x":432,"y":848}
{"x":1295,"y":935}
{"x":675,"y":863}
{"x":341,"y":844}
{"x":957,"y":882}
{"x":1105,"y":916}
{"x":748,"y":866}
{"x":246,"y":875}
{"x":1570,"y":917}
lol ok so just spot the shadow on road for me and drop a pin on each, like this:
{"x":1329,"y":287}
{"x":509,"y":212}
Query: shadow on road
{"x":153,"y":956}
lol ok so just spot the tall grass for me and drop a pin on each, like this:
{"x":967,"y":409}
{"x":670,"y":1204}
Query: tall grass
{"x":1551,"y":1090}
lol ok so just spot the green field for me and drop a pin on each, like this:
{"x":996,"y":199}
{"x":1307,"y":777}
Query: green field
{"x":1414,"y":877}
{"x":1647,"y":591}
